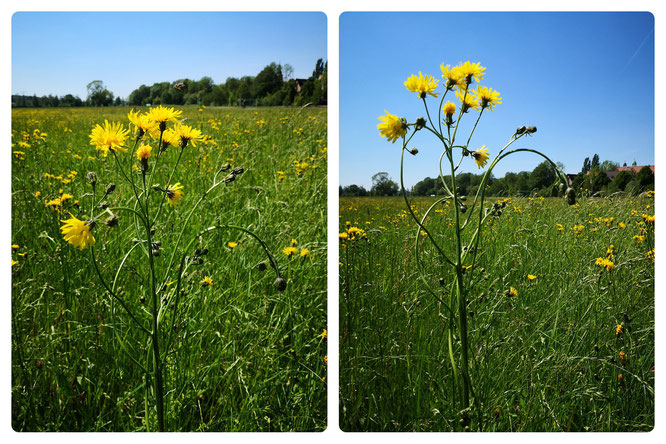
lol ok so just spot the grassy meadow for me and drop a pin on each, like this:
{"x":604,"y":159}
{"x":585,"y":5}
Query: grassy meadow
{"x":239,"y":354}
{"x":573,"y":350}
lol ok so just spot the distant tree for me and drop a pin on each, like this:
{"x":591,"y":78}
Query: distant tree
{"x":645,"y":178}
{"x":609,"y":165}
{"x":268,"y":81}
{"x":353,"y":191}
{"x":542,"y":176}
{"x":382,"y":185}
{"x":98,"y":95}
{"x":319,"y":69}
{"x":586,"y":165}
{"x":621,"y":181}
{"x":595,"y":161}
{"x":287,"y":72}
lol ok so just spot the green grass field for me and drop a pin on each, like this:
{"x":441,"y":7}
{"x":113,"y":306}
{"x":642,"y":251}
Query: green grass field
{"x":241,"y":356}
{"x":573,"y":351}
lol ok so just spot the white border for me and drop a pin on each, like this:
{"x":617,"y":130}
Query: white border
{"x":333,"y":11}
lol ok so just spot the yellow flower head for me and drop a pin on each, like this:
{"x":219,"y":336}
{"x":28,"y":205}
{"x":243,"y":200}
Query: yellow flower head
{"x":77,"y":232}
{"x":290,"y":251}
{"x":453,"y":76}
{"x":232,"y":245}
{"x":174,"y":193}
{"x":623,"y":356}
{"x":169,"y":138}
{"x":161,"y":115}
{"x":110,"y":137}
{"x":343,"y":236}
{"x":471,"y":71}
{"x":207,"y":281}
{"x":15,"y":247}
{"x":14,"y":262}
{"x":305,"y":252}
{"x":469,"y":101}
{"x":512,"y":292}
{"x":324,"y":334}
{"x":531,"y":277}
{"x":449,"y":108}
{"x":480,"y":156}
{"x":142,"y":123}
{"x":392,"y":127}
{"x":619,"y":329}
{"x":422,"y":85}
{"x":143,"y":153}
{"x":186,"y":134}
{"x":487,"y":97}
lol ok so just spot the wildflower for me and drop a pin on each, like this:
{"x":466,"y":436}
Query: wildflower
{"x":392,"y":127}
{"x":468,"y":101}
{"x":142,"y":123}
{"x":422,"y":85}
{"x":143,"y":153}
{"x":186,"y":134}
{"x":623,"y":357}
{"x":531,"y":277}
{"x":620,"y":379}
{"x":280,"y":284}
{"x":324,"y":334}
{"x":110,"y":137}
{"x":449,"y":109}
{"x":648,"y":219}
{"x":480,"y":156}
{"x":207,"y":281}
{"x":77,"y":232}
{"x":453,"y":76}
{"x":488,"y":97}
{"x":305,"y":252}
{"x":559,"y":227}
{"x":14,"y":262}
{"x":610,"y":252}
{"x":15,"y":247}
{"x":326,"y":359}
{"x":54,"y":202}
{"x":511,"y":292}
{"x":290,"y":251}
{"x":639,"y":239}
{"x":174,"y":194}
{"x":38,"y":193}
{"x":650,"y":254}
{"x":293,"y":242}
{"x":161,"y":115}
{"x":605,"y":263}
{"x":622,"y":225}
{"x":471,"y":71}
{"x":619,"y":329}
{"x":169,"y":138}
{"x":232,"y":245}
{"x":343,"y":236}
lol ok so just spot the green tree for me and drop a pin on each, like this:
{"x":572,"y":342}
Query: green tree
{"x":98,"y":95}
{"x":382,"y":185}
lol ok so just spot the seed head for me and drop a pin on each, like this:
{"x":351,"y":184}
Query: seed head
{"x":280,"y":283}
{"x":92,"y":178}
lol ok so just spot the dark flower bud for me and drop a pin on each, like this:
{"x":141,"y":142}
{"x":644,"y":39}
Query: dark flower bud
{"x":280,"y":283}
{"x":442,"y":281}
{"x":413,"y":151}
{"x":197,"y":252}
{"x":420,"y":123}
{"x":225,"y":167}
{"x":463,"y":208}
{"x":521,"y":130}
{"x":238,"y":170}
{"x":92,"y":178}
{"x":229,"y":178}
{"x":110,"y":189}
{"x":531,"y":129}
{"x":91,"y":223}
{"x":261,"y":266}
{"x":104,"y":205}
{"x":155,"y":253}
{"x":204,"y":252}
{"x":39,"y":363}
{"x":571,"y":196}
{"x":112,"y":221}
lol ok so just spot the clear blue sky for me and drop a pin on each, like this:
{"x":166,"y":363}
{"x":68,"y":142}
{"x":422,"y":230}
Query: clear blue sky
{"x":60,"y":53}
{"x":585,"y":80}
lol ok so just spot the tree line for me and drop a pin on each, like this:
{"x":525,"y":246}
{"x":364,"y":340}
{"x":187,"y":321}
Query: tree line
{"x":542,"y":181}
{"x":272,"y":86}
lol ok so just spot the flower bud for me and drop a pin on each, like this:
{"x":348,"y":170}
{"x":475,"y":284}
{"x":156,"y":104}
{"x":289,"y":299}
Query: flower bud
{"x":229,"y":178}
{"x":92,"y":178}
{"x":280,"y":283}
{"x":571,"y":196}
{"x":238,"y":170}
{"x":261,"y":266}
{"x":104,"y":205}
{"x":225,"y":167}
{"x":521,"y":130}
{"x":531,"y":129}
{"x":110,"y":189}
{"x":463,"y":208}
{"x":413,"y":151}
{"x":112,"y":221}
{"x":420,"y":123}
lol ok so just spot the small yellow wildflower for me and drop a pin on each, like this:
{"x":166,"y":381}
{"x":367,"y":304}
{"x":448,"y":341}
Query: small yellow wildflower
{"x":110,"y":137}
{"x":161,"y":114}
{"x":207,"y":281}
{"x":143,"y":152}
{"x":623,"y":356}
{"x":290,"y":251}
{"x":324,"y":334}
{"x":487,"y":97}
{"x":468,"y":101}
{"x":392,"y":127}
{"x":343,"y":235}
{"x":232,"y":245}
{"x":512,"y":292}
{"x":14,"y":262}
{"x":174,"y":194}
{"x":305,"y":252}
{"x":454,"y":77}
{"x":619,"y":329}
{"x":480,"y":156}
{"x":77,"y":232}
{"x":186,"y":134}
{"x":422,"y":85}
{"x":449,"y":108}
{"x":15,"y":247}
{"x":531,"y":277}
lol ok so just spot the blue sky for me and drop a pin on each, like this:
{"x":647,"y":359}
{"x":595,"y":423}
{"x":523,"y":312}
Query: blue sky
{"x":127,"y":49}
{"x":585,"y":80}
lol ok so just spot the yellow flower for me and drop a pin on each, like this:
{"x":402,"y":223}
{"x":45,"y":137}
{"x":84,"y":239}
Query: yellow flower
{"x":186,"y":134}
{"x":38,"y":193}
{"x":623,"y":356}
{"x":305,"y":252}
{"x":169,"y":138}
{"x":290,"y":251}
{"x":619,"y":329}
{"x":559,"y":227}
{"x":161,"y":115}
{"x":488,"y":97}
{"x":110,"y":137}
{"x":422,"y":85}
{"x":469,"y":101}
{"x":14,"y":262}
{"x":77,"y":232}
{"x":471,"y":71}
{"x":480,"y":156}
{"x":15,"y":247}
{"x":604,"y":263}
{"x":343,"y":235}
{"x":324,"y":334}
{"x":449,"y":108}
{"x":174,"y":193}
{"x":392,"y":127}
{"x":293,"y":242}
{"x":232,"y":245}
{"x":207,"y":281}
{"x":143,"y":153}
{"x":142,"y":123}
{"x":531,"y":277}
{"x":512,"y":292}
{"x":453,"y":76}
